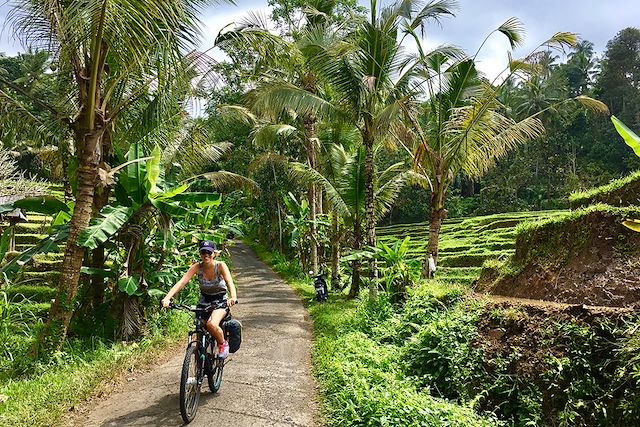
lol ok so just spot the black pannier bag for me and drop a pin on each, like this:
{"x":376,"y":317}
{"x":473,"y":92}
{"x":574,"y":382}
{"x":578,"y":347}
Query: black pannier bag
{"x":233,"y":334}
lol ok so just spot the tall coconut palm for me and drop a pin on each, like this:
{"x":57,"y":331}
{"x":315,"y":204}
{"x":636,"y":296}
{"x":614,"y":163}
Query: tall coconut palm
{"x":109,"y":53}
{"x":371,"y":81}
{"x":282,"y":60}
{"x":460,"y":128}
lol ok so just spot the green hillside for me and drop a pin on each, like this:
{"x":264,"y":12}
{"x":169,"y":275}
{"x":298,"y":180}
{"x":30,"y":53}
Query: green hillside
{"x":465,"y":243}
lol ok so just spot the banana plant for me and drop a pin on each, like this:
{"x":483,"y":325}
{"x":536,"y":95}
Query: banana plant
{"x":141,"y":188}
{"x":140,"y":224}
{"x":399,"y":272}
{"x":633,"y":141}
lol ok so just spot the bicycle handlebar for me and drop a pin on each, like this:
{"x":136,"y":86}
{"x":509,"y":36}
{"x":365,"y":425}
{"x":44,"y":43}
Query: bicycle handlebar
{"x":193,"y":309}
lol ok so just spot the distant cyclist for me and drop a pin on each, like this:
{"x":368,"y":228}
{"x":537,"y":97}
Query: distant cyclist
{"x":214,"y":280}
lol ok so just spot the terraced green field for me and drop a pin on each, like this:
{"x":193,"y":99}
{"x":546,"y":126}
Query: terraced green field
{"x":465,"y":243}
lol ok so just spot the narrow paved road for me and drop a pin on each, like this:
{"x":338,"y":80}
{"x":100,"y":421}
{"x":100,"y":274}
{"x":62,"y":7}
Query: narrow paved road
{"x":266,"y":383}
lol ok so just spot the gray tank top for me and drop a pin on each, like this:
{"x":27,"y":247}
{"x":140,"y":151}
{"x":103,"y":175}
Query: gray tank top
{"x":212,"y":287}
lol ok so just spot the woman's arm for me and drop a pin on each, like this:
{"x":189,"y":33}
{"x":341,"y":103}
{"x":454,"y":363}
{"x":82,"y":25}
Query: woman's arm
{"x":178,"y":286}
{"x":226,"y":275}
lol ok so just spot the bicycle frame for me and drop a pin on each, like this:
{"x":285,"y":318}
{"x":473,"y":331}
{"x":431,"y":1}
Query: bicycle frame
{"x":204,"y":362}
{"x":201,"y":337}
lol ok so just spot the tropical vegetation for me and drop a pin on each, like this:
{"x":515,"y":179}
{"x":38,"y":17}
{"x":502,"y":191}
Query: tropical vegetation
{"x":332,"y":136}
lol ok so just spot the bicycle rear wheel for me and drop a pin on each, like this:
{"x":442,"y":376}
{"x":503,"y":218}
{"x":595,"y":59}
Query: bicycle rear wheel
{"x":189,"y":387}
{"x":215,"y":376}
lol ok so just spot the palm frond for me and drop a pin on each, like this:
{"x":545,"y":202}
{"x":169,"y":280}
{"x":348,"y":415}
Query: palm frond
{"x":528,"y":67}
{"x":484,"y":136}
{"x":387,"y":192}
{"x":593,"y":104}
{"x":389,"y":173}
{"x":514,"y":31}
{"x":270,"y":159}
{"x":432,"y":11}
{"x":269,"y":135}
{"x":305,"y":174}
{"x":561,"y":40}
{"x":275,"y":98}
{"x":239,"y":113}
{"x":223,"y":180}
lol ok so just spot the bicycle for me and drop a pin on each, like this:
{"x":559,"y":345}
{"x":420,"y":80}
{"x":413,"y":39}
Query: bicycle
{"x":201,"y":358}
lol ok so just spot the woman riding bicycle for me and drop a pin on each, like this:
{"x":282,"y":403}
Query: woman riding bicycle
{"x":214,"y":280}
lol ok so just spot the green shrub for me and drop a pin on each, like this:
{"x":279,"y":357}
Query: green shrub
{"x":441,"y":355}
{"x":361,"y":387}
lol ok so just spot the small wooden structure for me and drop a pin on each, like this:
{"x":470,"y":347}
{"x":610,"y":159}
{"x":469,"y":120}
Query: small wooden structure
{"x":14,"y":217}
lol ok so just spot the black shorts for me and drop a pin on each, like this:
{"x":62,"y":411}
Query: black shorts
{"x":219,"y":302}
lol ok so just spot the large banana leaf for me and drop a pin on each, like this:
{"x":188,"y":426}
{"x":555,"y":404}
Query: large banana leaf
{"x":129,"y":285}
{"x":633,"y":141}
{"x":43,"y":204}
{"x":153,"y":171}
{"x":202,"y":200}
{"x":170,"y":194}
{"x":47,"y":245}
{"x":169,"y":207}
{"x":133,"y":180}
{"x":112,"y":219}
{"x":632,"y":224}
{"x":630,"y":138}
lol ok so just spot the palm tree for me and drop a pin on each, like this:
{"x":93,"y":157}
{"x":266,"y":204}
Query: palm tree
{"x":370,"y":79}
{"x":581,"y":67}
{"x":344,"y":185}
{"x":460,"y":128}
{"x":109,"y":54}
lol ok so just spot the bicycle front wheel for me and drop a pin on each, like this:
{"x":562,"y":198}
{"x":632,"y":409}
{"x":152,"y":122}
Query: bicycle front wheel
{"x":189,"y":387}
{"x":215,"y":376}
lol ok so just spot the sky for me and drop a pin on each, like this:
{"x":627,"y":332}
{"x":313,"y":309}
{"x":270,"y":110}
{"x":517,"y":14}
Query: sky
{"x":597,"y":21}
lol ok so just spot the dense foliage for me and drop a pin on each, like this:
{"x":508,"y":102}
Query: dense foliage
{"x":443,"y":358}
{"x":317,"y":129}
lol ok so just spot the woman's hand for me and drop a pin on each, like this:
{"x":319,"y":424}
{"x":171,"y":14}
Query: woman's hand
{"x":231,"y":302}
{"x":165,"y":302}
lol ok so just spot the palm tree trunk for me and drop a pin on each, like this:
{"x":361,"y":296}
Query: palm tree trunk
{"x":369,"y":210}
{"x":355,"y":277}
{"x":310,"y":138}
{"x":68,"y":192}
{"x":335,"y":252}
{"x":52,"y":336}
{"x":435,"y":223}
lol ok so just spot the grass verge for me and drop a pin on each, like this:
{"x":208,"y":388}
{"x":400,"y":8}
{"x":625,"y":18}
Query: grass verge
{"x":45,"y":399}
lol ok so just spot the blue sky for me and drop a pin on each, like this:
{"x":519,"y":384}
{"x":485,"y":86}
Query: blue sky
{"x":595,"y":20}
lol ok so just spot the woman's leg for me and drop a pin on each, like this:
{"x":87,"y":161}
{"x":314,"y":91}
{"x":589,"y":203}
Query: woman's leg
{"x":213,"y":324}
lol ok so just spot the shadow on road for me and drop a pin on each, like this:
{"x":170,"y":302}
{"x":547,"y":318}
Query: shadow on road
{"x":164,"y":412}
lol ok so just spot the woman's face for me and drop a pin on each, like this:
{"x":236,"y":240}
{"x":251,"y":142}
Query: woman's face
{"x":206,"y":256}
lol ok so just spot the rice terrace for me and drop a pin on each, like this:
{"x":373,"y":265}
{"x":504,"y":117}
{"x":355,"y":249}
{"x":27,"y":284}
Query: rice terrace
{"x":307,"y":213}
